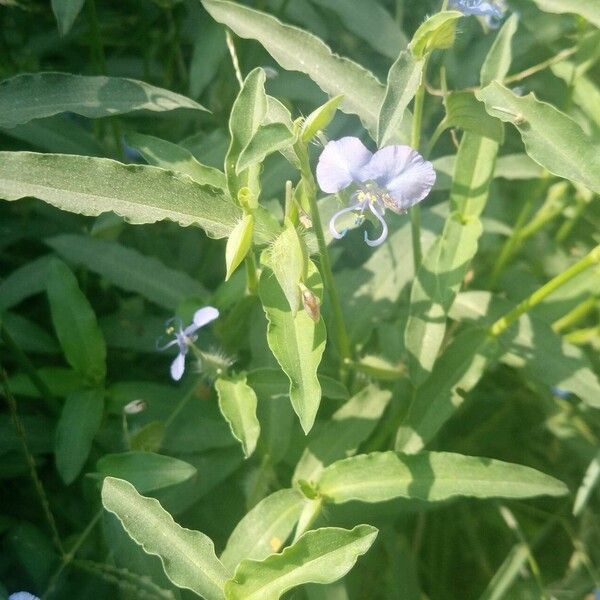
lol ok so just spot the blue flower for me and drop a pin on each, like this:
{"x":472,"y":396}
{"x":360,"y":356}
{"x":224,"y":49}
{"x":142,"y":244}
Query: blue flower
{"x":184,"y":338}
{"x":22,"y":596}
{"x":492,"y":10}
{"x":395,"y":177}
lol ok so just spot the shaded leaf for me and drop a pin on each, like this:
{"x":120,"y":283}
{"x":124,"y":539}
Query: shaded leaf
{"x":34,"y":96}
{"x":75,"y":323}
{"x":80,"y":419}
{"x":147,"y":471}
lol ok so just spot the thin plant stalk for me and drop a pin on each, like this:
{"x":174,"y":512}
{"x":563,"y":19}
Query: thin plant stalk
{"x":310,"y":189}
{"x":37,"y":482}
{"x":502,"y":324}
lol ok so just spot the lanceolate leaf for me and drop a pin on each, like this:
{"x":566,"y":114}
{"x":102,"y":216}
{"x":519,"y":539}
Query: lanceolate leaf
{"x":298,"y":50}
{"x":33,"y":96}
{"x":456,"y":372}
{"x":237,"y":402}
{"x":431,"y":476}
{"x":141,"y":194}
{"x":128,"y":269}
{"x":497,"y":62}
{"x":79,"y":422}
{"x":320,"y":556}
{"x":176,"y":158}
{"x":270,"y":138}
{"x":590,"y":9}
{"x":551,"y":138}
{"x":188,"y":557}
{"x":75,"y":324}
{"x":445,"y":265}
{"x":341,"y":436}
{"x":264,"y":529}
{"x":297,"y":342}
{"x":147,"y":471}
{"x":463,"y":110}
{"x":248,"y":112}
{"x":404,"y":78}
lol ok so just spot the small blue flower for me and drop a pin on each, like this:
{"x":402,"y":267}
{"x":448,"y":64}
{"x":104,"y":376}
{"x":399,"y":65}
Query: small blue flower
{"x":395,"y":177}
{"x":184,"y":338}
{"x":563,"y":394}
{"x":492,"y":10}
{"x":22,"y":596}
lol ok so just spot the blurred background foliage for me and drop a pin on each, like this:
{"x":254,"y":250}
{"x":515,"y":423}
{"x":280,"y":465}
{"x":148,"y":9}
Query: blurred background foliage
{"x":459,"y":549}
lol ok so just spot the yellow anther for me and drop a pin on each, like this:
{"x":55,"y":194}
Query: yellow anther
{"x":170,"y":330}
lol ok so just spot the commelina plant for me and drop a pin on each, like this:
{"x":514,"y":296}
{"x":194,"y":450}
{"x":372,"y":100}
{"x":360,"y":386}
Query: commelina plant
{"x":372,"y":230}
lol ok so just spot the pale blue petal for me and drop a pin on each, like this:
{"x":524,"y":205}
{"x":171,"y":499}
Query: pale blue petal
{"x":403,"y":172}
{"x":202,"y":317}
{"x":479,"y":8}
{"x":178,"y":367}
{"x":340,"y":164}
{"x":22,"y":596}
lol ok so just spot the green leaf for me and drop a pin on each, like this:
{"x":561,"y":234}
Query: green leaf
{"x":145,"y":470}
{"x":237,"y":402}
{"x":298,"y":50}
{"x":128,"y":269}
{"x":320,"y":556}
{"x":297,"y":342}
{"x":247,"y":114}
{"x":403,"y":80}
{"x":431,"y":476}
{"x":270,"y":138}
{"x":349,"y":426}
{"x":369,"y":21}
{"x":509,"y":571}
{"x":589,"y":9}
{"x":463,"y":110}
{"x":456,"y":372}
{"x":57,"y":134}
{"x":34,"y":96}
{"x":167,"y":155}
{"x":141,"y":194}
{"x":288,"y":261}
{"x":65,"y":12}
{"x":239,"y":244}
{"x":534,"y":346}
{"x":551,"y":138}
{"x":188,"y":557}
{"x":79,"y":422}
{"x":498,"y":59}
{"x":445,"y":265}
{"x":75,"y":324}
{"x":438,"y":32}
{"x":320,"y":118}
{"x":264,"y":529}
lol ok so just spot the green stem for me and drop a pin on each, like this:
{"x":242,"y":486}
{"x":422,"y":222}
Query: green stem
{"x":576,"y":315}
{"x":70,"y":555}
{"x":27,"y":366}
{"x":310,"y":189}
{"x":37,"y":483}
{"x":415,"y":142}
{"x":183,"y":402}
{"x":511,"y":244}
{"x":591,"y":259}
{"x":435,"y":137}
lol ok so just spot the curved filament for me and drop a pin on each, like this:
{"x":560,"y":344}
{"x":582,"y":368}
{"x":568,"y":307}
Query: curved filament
{"x":384,"y":228}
